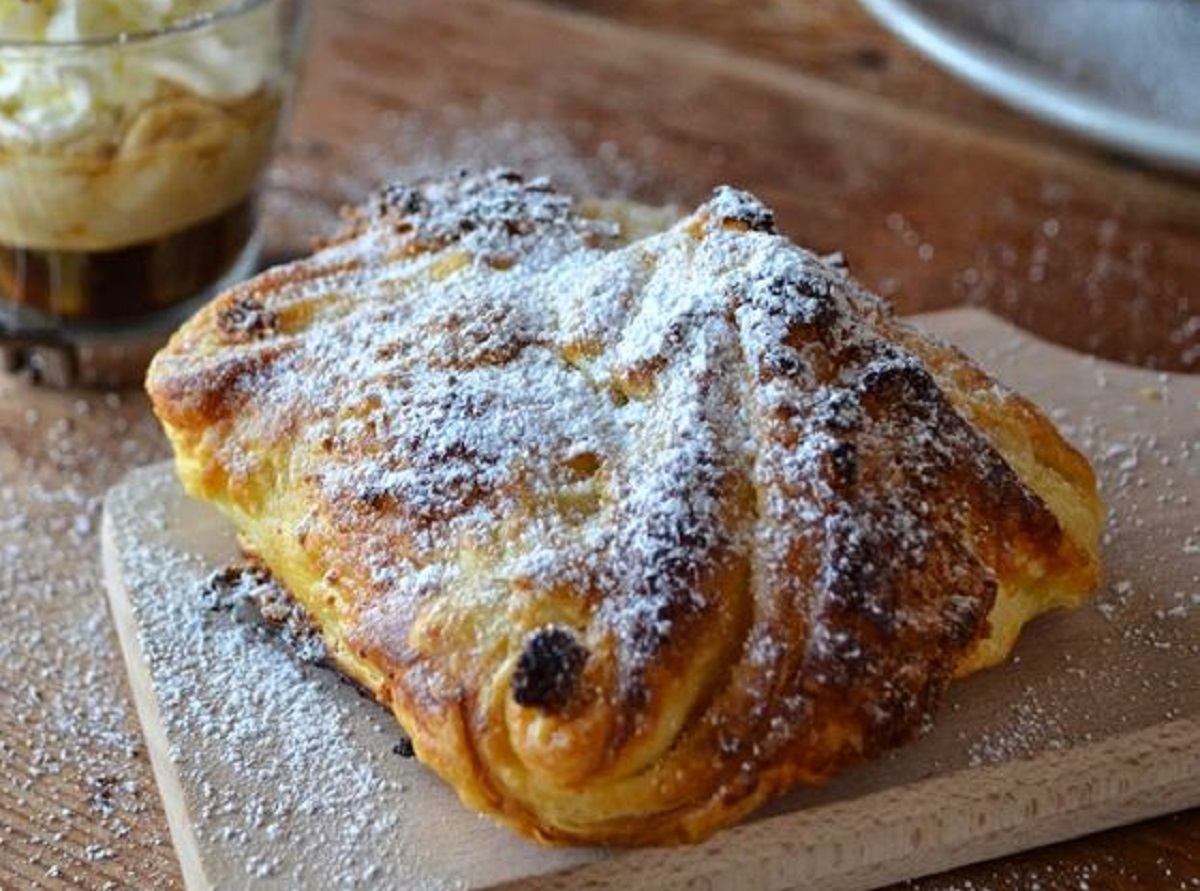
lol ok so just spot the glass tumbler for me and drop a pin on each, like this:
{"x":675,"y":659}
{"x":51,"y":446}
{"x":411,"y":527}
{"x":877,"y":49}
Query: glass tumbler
{"x":130,"y":161}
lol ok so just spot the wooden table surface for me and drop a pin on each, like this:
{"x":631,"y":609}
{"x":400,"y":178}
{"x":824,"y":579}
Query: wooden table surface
{"x":937,"y":195}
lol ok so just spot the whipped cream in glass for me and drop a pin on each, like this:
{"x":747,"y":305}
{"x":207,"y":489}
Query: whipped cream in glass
{"x":54,"y":103}
{"x":133,"y":134}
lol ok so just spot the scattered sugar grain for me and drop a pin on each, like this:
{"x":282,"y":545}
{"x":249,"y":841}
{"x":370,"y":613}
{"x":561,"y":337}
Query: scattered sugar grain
{"x":279,"y":728}
{"x":58,"y":666}
{"x":304,"y":197}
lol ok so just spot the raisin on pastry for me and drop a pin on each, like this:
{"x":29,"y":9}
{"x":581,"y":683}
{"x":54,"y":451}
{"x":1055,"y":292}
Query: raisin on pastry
{"x":634,"y":523}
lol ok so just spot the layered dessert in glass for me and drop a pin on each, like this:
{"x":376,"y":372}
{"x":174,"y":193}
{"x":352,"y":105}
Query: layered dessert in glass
{"x":132,"y":137}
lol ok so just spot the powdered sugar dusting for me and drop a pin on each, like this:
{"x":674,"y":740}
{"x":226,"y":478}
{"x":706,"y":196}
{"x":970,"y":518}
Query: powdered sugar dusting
{"x":283,"y":766}
{"x":1103,"y":865}
{"x":492,"y":375}
{"x":283,"y":731}
{"x":308,"y":184}
{"x":75,"y":786}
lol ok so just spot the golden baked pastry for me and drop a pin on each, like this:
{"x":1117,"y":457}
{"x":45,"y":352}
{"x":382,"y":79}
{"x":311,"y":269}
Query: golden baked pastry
{"x":631,"y":529}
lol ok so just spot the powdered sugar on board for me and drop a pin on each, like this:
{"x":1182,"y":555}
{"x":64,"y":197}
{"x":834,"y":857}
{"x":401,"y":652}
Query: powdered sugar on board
{"x":275,"y":774}
{"x":75,"y":784}
{"x":1087,"y":680}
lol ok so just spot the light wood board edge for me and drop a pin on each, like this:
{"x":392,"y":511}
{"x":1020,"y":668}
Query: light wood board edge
{"x":926,"y":827}
{"x":166,"y":775}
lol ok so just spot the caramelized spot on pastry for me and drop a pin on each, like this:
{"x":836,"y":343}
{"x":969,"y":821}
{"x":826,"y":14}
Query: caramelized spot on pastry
{"x":548,"y":670}
{"x":584,"y":465}
{"x":733,"y":207}
{"x":246,"y":319}
{"x":404,"y":748}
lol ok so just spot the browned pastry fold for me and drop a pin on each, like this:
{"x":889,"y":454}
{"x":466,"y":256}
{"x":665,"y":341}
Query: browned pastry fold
{"x":632,"y":526}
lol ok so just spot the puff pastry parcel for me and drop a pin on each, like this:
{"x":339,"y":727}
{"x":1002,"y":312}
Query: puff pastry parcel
{"x":632,"y":523}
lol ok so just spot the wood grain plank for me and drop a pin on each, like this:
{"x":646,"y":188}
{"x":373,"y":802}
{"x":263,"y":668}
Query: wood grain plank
{"x":841,"y":42}
{"x":1163,"y":853}
{"x":834,"y":40}
{"x":78,"y":804}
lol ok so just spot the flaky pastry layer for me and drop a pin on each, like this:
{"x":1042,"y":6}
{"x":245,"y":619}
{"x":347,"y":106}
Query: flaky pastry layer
{"x":634,"y":523}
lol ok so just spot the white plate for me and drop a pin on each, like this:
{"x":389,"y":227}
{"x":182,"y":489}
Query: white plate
{"x":1123,"y":72}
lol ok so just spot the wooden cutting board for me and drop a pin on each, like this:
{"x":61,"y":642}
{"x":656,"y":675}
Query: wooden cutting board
{"x":279,"y":775}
